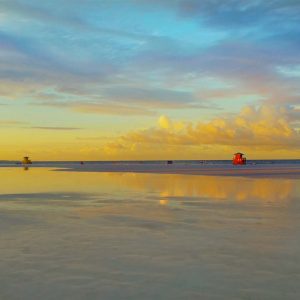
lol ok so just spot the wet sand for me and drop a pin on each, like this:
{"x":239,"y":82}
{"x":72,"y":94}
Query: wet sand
{"x":130,"y":235}
{"x":281,"y":170}
{"x":271,"y":170}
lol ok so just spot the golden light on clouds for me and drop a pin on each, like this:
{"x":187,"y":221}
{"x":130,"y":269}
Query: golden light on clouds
{"x":258,"y":130}
{"x":264,"y":132}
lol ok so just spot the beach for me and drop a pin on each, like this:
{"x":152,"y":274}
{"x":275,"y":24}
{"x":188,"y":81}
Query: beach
{"x":213,"y":168}
{"x":150,"y":150}
{"x":85,"y":233}
{"x":269,"y":170}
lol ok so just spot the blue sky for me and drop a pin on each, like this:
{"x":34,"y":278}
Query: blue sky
{"x":106,"y":68}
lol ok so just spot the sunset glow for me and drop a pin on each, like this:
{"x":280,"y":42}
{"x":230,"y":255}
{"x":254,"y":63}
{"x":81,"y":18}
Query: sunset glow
{"x":110,"y":79}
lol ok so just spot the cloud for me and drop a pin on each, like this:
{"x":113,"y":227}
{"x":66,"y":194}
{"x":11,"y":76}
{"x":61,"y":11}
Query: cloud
{"x":94,"y":138}
{"x":69,"y":16}
{"x":114,"y":109}
{"x":232,"y":13}
{"x":55,"y":128}
{"x":111,"y":109}
{"x":166,"y":123}
{"x":10,"y":90}
{"x":250,"y":68}
{"x":12,"y":122}
{"x":80,"y":55}
{"x":265,"y":128}
{"x":113,"y":148}
{"x":121,"y":105}
{"x":123,"y":100}
{"x":290,"y":72}
{"x":151,"y":97}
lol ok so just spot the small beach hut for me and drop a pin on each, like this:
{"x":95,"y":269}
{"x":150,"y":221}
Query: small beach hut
{"x":238,"y":159}
{"x":26,"y":160}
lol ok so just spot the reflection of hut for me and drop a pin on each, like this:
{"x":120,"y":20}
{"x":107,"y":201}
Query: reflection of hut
{"x":238,"y":159}
{"x":26,"y":160}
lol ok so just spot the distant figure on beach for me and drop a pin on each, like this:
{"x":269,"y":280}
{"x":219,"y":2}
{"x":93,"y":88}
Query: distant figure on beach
{"x":169,"y":162}
{"x":26,"y":161}
{"x":238,"y":159}
{"x":81,"y":162}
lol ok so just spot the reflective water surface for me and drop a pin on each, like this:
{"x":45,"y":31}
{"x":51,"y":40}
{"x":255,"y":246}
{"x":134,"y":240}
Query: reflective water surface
{"x":71,"y":235}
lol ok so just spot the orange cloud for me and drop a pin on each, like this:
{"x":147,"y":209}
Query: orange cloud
{"x":264,"y":128}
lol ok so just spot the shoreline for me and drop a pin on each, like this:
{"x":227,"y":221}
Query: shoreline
{"x":250,"y":170}
{"x":281,"y":170}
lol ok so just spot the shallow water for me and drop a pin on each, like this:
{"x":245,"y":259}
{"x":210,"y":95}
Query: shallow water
{"x":72,"y":235}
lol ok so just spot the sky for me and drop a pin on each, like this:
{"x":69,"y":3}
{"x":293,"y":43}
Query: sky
{"x":149,"y":79}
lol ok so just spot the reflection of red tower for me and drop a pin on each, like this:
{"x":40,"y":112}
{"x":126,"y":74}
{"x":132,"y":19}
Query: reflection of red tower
{"x":238,"y":159}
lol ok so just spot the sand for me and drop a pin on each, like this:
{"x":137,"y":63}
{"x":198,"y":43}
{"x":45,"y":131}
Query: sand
{"x":279,"y":170}
{"x":252,"y":170}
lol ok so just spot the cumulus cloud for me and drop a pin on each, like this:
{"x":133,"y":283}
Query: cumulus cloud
{"x":266,"y":127}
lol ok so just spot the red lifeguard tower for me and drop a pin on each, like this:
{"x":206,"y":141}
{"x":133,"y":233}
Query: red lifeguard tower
{"x":238,"y":159}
